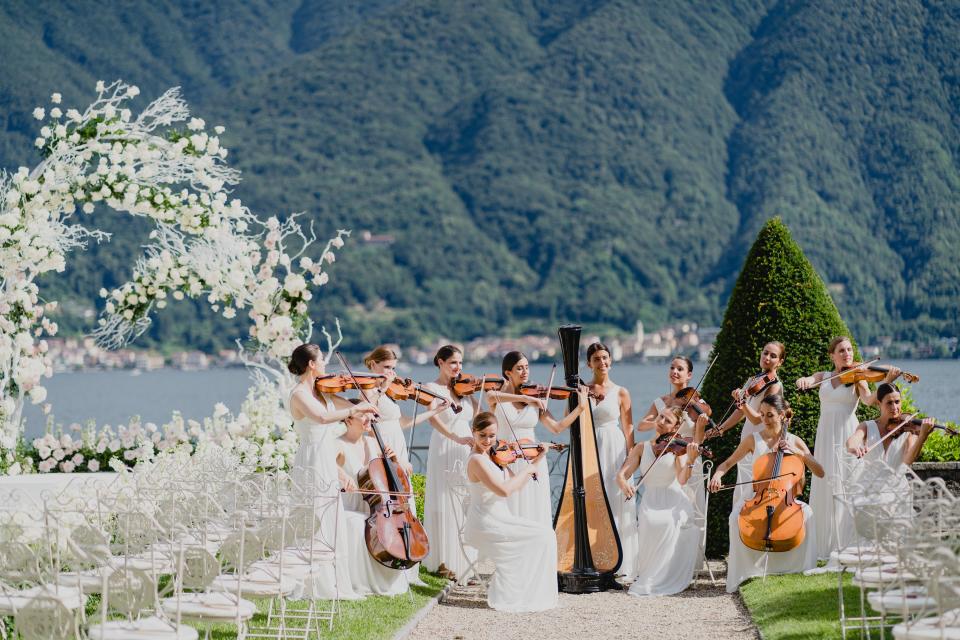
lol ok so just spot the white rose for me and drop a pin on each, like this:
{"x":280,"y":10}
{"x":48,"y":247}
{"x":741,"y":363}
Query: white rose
{"x":93,"y":465}
{"x":56,"y":98}
{"x":38,"y":113}
{"x":38,"y":394}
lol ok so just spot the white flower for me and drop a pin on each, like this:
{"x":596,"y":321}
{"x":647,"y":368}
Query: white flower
{"x":67,"y":467}
{"x":56,"y":98}
{"x":329,"y":257}
{"x":294,"y":283}
{"x":93,"y":465}
{"x":229,"y":312}
{"x":101,"y":86}
{"x":55,"y":112}
{"x":337,"y":242}
{"x":133,"y":91}
{"x":38,"y":394}
{"x":39,"y":113}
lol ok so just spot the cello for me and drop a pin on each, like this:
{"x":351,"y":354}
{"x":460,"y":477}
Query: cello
{"x":394,"y":536}
{"x":772,"y":520}
{"x":588,"y":545}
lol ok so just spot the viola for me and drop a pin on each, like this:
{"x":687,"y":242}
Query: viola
{"x":689,"y":399}
{"x":465,"y":384}
{"x":505,"y":452}
{"x":677,"y":445}
{"x":337,"y":382}
{"x":858,"y":372}
{"x":773,"y":519}
{"x":406,"y":389}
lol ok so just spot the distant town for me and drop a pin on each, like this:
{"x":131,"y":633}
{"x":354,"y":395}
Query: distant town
{"x":78,"y":354}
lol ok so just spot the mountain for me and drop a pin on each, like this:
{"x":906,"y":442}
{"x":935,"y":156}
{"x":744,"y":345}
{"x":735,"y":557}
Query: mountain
{"x":540,"y":161}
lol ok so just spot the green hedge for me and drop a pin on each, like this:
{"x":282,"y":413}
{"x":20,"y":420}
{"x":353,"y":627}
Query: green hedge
{"x":419,"y":482}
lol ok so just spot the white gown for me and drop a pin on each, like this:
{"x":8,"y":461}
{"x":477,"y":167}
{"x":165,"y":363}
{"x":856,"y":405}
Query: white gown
{"x":366,"y":574}
{"x":315,"y":471}
{"x":668,"y":538}
{"x":838,"y":421}
{"x":695,"y":487}
{"x":390,"y":429}
{"x":883,"y":493}
{"x":744,"y":563}
{"x":745,"y":466}
{"x":612,"y":447}
{"x":533,"y":500}
{"x":441,"y":520}
{"x":524,"y":551}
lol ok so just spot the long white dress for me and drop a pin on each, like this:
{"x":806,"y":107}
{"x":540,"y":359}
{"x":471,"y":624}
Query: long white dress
{"x":668,"y":537}
{"x":390,"y":429}
{"x":744,"y":563}
{"x":695,"y":487}
{"x":524,"y":551}
{"x":366,"y":574}
{"x":612,"y":447}
{"x":314,"y":471}
{"x":446,"y":463}
{"x":880,"y":486}
{"x":838,"y":421}
{"x":533,"y":500}
{"x":745,"y":466}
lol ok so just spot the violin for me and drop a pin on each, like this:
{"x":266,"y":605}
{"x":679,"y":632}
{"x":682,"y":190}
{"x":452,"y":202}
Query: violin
{"x":505,"y":452}
{"x":858,"y":372}
{"x":677,"y":445}
{"x":914,"y":425}
{"x":773,"y":519}
{"x":757,"y":385}
{"x":556,"y":393}
{"x":465,"y":384}
{"x":406,"y":389}
{"x":337,"y":382}
{"x":689,"y":399}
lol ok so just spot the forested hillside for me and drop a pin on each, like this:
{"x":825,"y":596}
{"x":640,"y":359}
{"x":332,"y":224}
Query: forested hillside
{"x":540,"y":161}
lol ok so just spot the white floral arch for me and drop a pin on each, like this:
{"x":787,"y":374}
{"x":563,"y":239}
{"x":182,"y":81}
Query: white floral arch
{"x":160,"y":164}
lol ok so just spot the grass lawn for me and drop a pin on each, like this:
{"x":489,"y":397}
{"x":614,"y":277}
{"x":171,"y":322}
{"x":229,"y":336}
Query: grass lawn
{"x":795,"y":606}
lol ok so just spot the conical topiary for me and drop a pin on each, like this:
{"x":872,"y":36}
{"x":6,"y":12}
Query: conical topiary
{"x":778,"y":296}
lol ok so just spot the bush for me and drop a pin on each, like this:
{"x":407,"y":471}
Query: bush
{"x":940,"y":446}
{"x":418,"y":482}
{"x":778,"y":296}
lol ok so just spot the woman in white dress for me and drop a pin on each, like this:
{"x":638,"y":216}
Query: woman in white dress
{"x":613,"y":423}
{"x":668,"y":538}
{"x":838,"y":419}
{"x":383,"y":361}
{"x":743,"y":562}
{"x":446,"y":462}
{"x":318,"y":419}
{"x":356,"y":447}
{"x":517,"y":417}
{"x":523,"y":551}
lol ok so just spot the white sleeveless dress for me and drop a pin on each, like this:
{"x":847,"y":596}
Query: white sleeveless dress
{"x":314,"y":471}
{"x":838,"y":421}
{"x":612,"y":447}
{"x":442,"y":520}
{"x":744,"y":563}
{"x":883,"y":489}
{"x":533,"y":500}
{"x":524,"y":551}
{"x":695,"y":488}
{"x":668,"y":539}
{"x":390,"y":429}
{"x":745,"y":466}
{"x":366,"y":574}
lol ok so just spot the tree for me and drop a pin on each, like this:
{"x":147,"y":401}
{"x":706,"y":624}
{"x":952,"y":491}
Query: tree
{"x":778,"y":296}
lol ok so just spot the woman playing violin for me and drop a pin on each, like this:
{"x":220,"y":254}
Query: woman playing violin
{"x":667,"y":539}
{"x":448,"y":454}
{"x":518,"y":415}
{"x":744,"y":562}
{"x":838,"y":420}
{"x":524,"y":551}
{"x":355,"y":448}
{"x":892,"y":437}
{"x":392,"y":422}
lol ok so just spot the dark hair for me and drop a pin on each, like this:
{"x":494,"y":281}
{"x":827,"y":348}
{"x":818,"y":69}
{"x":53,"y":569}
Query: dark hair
{"x":686,"y":361}
{"x":510,"y":360}
{"x":885,"y":389}
{"x":380,"y":354}
{"x":596,"y":346}
{"x":444,"y":353}
{"x":482,"y":420}
{"x":778,"y":402}
{"x":301,"y":358}
{"x":783,"y":349}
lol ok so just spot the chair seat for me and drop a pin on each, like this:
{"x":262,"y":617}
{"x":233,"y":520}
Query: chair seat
{"x":209,"y":606}
{"x":13,"y":601}
{"x":155,"y":564}
{"x":884,"y":574}
{"x":911,"y":600}
{"x":854,"y":556}
{"x":305,"y":557}
{"x":945,"y":627}
{"x":152,"y":628}
{"x":256,"y":583}
{"x":89,"y":581}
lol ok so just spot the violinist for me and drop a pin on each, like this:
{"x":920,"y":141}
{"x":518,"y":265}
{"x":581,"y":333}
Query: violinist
{"x":613,"y":424}
{"x":392,"y":422}
{"x":667,"y":539}
{"x":837,"y":422}
{"x":518,"y":415}
{"x":355,"y":448}
{"x":891,"y":438}
{"x":744,"y":562}
{"x":523,"y":551}
{"x":448,"y":452}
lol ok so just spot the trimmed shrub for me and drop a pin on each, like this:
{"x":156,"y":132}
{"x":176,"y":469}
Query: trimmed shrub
{"x":778,"y":296}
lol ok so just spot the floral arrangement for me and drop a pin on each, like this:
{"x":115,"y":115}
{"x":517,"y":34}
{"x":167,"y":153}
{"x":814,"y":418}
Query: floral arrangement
{"x":165,"y":165}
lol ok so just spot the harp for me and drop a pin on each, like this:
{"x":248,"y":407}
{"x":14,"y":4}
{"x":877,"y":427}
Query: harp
{"x":588,"y":545}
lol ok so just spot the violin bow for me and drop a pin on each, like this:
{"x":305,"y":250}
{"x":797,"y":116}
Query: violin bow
{"x":363,"y":394}
{"x":516,"y":440}
{"x":725,"y":487}
{"x":910,"y":417}
{"x":416,"y":408}
{"x":837,"y":375}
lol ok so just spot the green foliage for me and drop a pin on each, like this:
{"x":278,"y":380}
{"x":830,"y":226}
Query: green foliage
{"x":778,"y":296}
{"x":419,"y":482}
{"x":798,"y":606}
{"x":940,"y":446}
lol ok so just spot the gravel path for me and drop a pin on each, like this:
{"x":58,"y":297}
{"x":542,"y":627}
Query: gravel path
{"x":699,"y":612}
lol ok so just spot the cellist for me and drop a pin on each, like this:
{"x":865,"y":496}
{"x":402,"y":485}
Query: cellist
{"x":742,"y":562}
